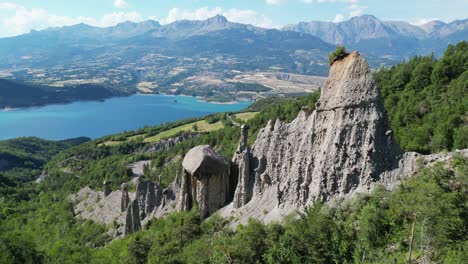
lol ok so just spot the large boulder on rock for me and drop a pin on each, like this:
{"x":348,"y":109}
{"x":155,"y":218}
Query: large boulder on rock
{"x":205,"y":181}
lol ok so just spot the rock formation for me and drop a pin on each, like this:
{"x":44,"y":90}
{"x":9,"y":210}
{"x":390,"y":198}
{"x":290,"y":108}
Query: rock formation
{"x":241,"y":170}
{"x":107,"y":188}
{"x":132,"y":220}
{"x":169,"y":143}
{"x":124,"y":201}
{"x":341,"y":148}
{"x":205,"y":181}
{"x":149,"y":195}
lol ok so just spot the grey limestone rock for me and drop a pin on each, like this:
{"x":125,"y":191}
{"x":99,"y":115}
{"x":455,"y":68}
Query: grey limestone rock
{"x":242,"y":162}
{"x":149,"y":195}
{"x":125,"y":198}
{"x":334,"y":151}
{"x":243,"y":139}
{"x":341,"y":148}
{"x":132,"y":220}
{"x":205,"y":181}
{"x":169,"y":143}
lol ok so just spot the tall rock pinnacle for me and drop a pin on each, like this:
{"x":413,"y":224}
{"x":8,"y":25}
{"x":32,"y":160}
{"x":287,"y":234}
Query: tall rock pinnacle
{"x":341,"y":148}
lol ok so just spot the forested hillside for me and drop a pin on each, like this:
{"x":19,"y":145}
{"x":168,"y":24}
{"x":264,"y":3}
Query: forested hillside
{"x":14,"y":94}
{"x":37,"y":223}
{"x":427,"y":100}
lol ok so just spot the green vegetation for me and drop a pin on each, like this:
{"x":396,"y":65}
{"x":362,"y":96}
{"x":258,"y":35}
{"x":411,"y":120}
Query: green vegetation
{"x":37,"y":224}
{"x":15,"y":94}
{"x":246,"y":116}
{"x":22,"y":159}
{"x":208,"y":124}
{"x":374,"y":228}
{"x":427,"y":100}
{"x":202,"y":126}
{"x":338,"y":54}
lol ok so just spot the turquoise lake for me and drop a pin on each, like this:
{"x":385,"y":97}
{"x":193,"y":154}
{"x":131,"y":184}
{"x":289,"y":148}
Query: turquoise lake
{"x":96,"y":119}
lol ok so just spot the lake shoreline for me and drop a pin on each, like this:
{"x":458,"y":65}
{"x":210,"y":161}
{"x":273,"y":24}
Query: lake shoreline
{"x":66,"y":102}
{"x":114,"y":115}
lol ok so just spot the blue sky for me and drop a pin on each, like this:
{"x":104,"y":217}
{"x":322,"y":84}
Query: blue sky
{"x":20,"y":16}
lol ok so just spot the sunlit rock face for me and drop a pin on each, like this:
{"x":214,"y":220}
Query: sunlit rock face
{"x":344,"y":146}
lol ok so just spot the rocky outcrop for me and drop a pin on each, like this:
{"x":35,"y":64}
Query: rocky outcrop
{"x":169,"y":143}
{"x":205,"y":181}
{"x":149,"y":195}
{"x":151,"y":201}
{"x":132,"y":219}
{"x":343,"y":147}
{"x":93,"y":205}
{"x":39,"y":178}
{"x":107,"y":188}
{"x":241,"y":170}
{"x":138,"y":167}
{"x":125,"y":200}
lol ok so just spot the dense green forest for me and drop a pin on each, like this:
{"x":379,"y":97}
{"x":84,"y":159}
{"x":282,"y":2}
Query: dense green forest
{"x":15,"y":94}
{"x":37,"y":224}
{"x":22,"y":160}
{"x":427,"y":100}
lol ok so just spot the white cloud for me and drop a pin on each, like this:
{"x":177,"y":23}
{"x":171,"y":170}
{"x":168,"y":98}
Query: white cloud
{"x":356,"y":10}
{"x":423,"y":21}
{"x":16,"y":20}
{"x":233,"y":14}
{"x":120,"y":3}
{"x":199,"y":14}
{"x":338,"y":18}
{"x":19,"y":20}
{"x":275,"y":2}
{"x":7,"y":6}
{"x":329,"y":1}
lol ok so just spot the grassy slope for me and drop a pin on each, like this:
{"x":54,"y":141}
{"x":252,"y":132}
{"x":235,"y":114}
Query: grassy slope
{"x":202,"y":126}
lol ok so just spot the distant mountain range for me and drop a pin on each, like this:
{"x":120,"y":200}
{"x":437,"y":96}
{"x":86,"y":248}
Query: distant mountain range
{"x":390,"y":39}
{"x":211,"y":57}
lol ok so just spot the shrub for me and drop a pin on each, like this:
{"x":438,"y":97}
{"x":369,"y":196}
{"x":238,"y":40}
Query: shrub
{"x":338,"y":54}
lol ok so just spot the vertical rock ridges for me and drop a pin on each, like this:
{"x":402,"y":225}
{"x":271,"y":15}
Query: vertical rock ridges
{"x":241,"y":170}
{"x":132,"y":220}
{"x":205,"y":181}
{"x":125,"y":200}
{"x":150,"y":201}
{"x":243,"y":139}
{"x":149,"y":196}
{"x":343,"y":147}
{"x":340,"y":148}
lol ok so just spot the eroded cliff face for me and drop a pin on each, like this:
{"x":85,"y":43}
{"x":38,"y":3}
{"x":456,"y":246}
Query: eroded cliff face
{"x":343,"y":147}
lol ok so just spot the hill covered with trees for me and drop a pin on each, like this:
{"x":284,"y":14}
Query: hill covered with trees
{"x":427,"y":100}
